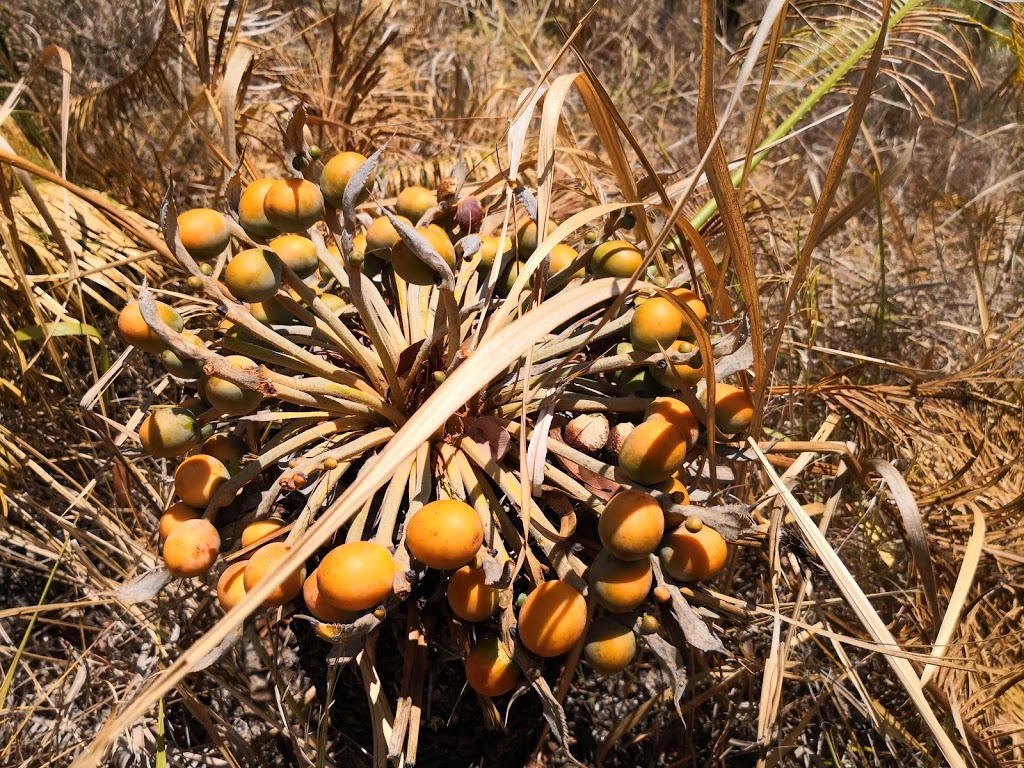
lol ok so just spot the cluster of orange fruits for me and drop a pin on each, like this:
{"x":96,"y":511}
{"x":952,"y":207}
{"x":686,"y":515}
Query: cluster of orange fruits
{"x":278,"y":218}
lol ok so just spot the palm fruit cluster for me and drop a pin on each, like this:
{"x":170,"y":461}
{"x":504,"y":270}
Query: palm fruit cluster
{"x":332,"y":309}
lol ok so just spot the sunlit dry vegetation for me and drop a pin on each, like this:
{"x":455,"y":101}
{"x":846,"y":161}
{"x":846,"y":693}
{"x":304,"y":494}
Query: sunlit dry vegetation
{"x":684,"y":430}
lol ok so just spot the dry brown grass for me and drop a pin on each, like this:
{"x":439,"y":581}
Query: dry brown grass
{"x":906,"y":328}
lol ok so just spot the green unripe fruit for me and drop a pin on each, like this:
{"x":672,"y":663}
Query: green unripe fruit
{"x":183,"y":368}
{"x":229,"y":398}
{"x":169,"y":432}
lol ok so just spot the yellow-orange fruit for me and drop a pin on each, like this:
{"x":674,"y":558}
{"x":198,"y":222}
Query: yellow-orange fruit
{"x":197,"y":478}
{"x":489,"y":249}
{"x":414,"y":202}
{"x":679,"y":376}
{"x":169,"y":432}
{"x":692,"y":300}
{"x":250,"y":209}
{"x":267,"y":559}
{"x":408,"y":265}
{"x":444,"y":534}
{"x":620,"y":585}
{"x":552,"y":619}
{"x":228,"y":447}
{"x":356,"y":576}
{"x":693,"y":556}
{"x":469,"y":597}
{"x":615,"y":258}
{"x":298,"y":252}
{"x":652,"y":452}
{"x":490,"y":671}
{"x":526,"y":237}
{"x":272,"y":312}
{"x":381,"y":237}
{"x":258,"y":530}
{"x":191,"y":548}
{"x":610,"y":646}
{"x":333,"y":302}
{"x":676,"y":488}
{"x":183,"y":367}
{"x":229,"y":398}
{"x":335,"y":176}
{"x":319,"y":606}
{"x":175,"y":515}
{"x":254,"y":274}
{"x":631,"y":525}
{"x":678,"y":414}
{"x":655,"y":324}
{"x":734,"y":409}
{"x":561,"y":257}
{"x":203,"y":232}
{"x":293,"y":205}
{"x":134,"y":330}
{"x":231,"y":585}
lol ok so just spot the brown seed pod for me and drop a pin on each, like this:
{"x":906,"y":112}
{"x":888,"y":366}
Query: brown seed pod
{"x":587,"y":432}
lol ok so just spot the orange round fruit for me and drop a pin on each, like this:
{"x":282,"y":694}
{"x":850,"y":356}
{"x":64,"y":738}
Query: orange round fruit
{"x":552,"y":619}
{"x":191,"y":549}
{"x":526,"y":237}
{"x":293,"y":205}
{"x":250,"y":209}
{"x":678,"y":414}
{"x":175,"y":515}
{"x":631,"y":525}
{"x":693,"y":556}
{"x":258,"y":530}
{"x":610,"y":646}
{"x":204,"y":233}
{"x":692,"y":300}
{"x":469,"y":597}
{"x":490,"y":247}
{"x":231,"y":585}
{"x":444,"y":534}
{"x":679,"y":376}
{"x":655,"y":324}
{"x":134,"y":330}
{"x":336,"y":174}
{"x":268,"y":559}
{"x":169,"y":432}
{"x":356,"y":576}
{"x":253,"y":275}
{"x":414,"y":202}
{"x":298,"y":252}
{"x":229,"y":398}
{"x":734,"y":409}
{"x":652,"y":452}
{"x":616,"y":258}
{"x":381,"y":237}
{"x":228,"y":447}
{"x":620,"y":585}
{"x":408,"y":265}
{"x":319,"y":606}
{"x":197,"y":478}
{"x":490,"y":671}
{"x":183,"y":367}
{"x":561,"y":257}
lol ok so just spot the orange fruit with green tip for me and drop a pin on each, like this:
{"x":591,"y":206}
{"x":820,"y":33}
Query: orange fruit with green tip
{"x":616,"y":258}
{"x":610,"y":646}
{"x":191,"y":548}
{"x":134,"y":330}
{"x":336,"y":174}
{"x":631,"y":525}
{"x":655,"y":324}
{"x":175,"y":515}
{"x":267,"y":559}
{"x":620,"y":585}
{"x":169,"y":432}
{"x":653,"y":452}
{"x":552,"y":619}
{"x":413,"y":202}
{"x":693,"y":555}
{"x":230,"y":398}
{"x":490,"y":671}
{"x":469,"y":596}
{"x":293,"y":205}
{"x":197,"y":478}
{"x":734,"y":410}
{"x":320,"y":607}
{"x":356,"y":576}
{"x":298,"y":252}
{"x":251,"y":215}
{"x":411,"y":268}
{"x":254,"y":275}
{"x":231,"y":585}
{"x":444,"y":534}
{"x":679,"y":376}
{"x":204,"y":233}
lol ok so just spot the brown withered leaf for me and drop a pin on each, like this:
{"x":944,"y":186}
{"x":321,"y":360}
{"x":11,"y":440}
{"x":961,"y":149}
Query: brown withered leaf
{"x":486,"y":432}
